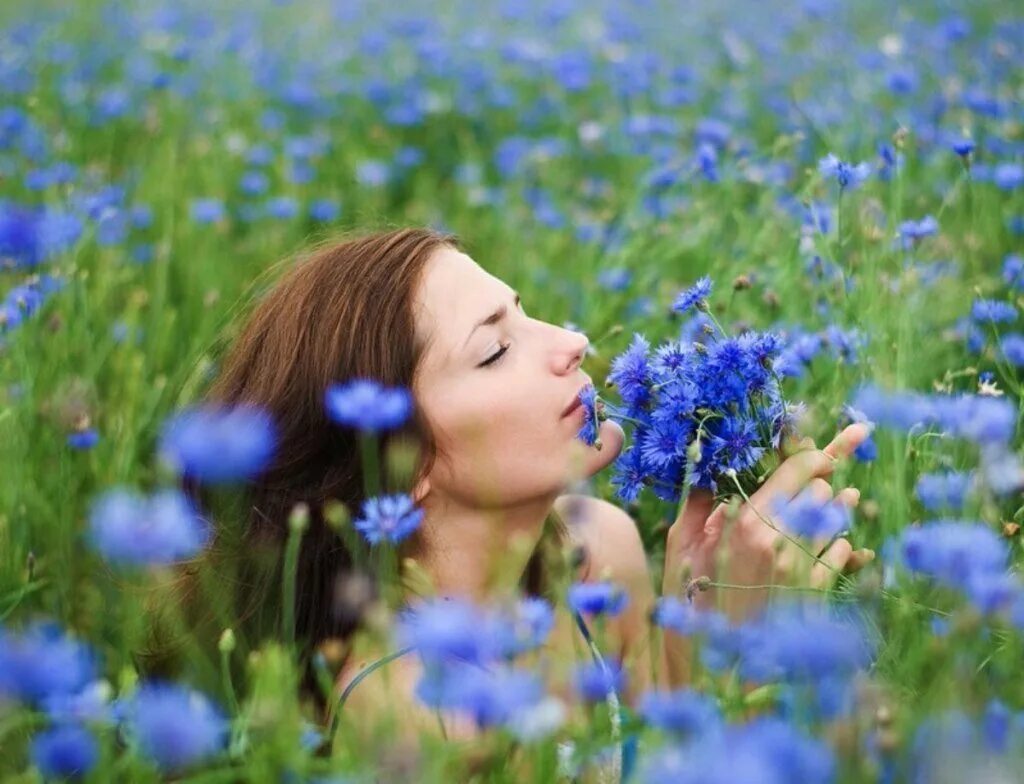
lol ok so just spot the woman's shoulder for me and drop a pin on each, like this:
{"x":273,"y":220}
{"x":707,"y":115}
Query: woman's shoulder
{"x":608,"y":533}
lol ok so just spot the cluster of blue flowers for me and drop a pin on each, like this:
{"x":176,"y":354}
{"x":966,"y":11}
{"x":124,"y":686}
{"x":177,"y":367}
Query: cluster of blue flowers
{"x":44,"y":668}
{"x":701,"y":408}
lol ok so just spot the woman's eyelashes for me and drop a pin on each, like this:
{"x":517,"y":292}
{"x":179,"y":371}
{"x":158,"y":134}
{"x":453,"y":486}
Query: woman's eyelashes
{"x":496,"y":356}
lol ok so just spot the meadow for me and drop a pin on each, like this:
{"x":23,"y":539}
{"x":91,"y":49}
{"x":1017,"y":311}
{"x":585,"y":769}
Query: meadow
{"x":849,"y":175}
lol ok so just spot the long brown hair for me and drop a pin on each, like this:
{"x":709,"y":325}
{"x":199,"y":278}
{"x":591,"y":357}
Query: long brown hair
{"x":344,"y":312}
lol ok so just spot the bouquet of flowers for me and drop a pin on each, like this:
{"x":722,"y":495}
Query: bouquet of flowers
{"x":706,"y":410}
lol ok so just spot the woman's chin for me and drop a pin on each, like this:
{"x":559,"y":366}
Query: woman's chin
{"x":591,"y":460}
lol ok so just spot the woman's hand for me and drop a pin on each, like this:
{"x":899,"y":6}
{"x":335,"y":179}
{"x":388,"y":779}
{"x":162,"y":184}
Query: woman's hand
{"x":734,"y":545}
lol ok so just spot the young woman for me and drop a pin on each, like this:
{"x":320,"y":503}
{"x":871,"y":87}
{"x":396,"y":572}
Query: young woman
{"x":495,"y":430}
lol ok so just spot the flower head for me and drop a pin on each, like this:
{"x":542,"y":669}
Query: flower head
{"x":173,"y":725}
{"x":694,"y":297}
{"x":131,"y":529}
{"x":848,"y":175}
{"x":389,"y":517}
{"x":64,"y":751}
{"x":43,"y":661}
{"x":604,"y":597}
{"x":217,"y":444}
{"x":367,"y":405}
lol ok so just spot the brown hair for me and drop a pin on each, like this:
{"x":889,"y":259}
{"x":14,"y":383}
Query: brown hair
{"x":345,"y":312}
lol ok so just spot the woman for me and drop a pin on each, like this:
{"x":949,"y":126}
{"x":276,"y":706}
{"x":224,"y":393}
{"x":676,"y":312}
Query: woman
{"x":497,"y":451}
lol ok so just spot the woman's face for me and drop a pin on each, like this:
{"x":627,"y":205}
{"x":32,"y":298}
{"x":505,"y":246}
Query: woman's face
{"x":494,"y":393}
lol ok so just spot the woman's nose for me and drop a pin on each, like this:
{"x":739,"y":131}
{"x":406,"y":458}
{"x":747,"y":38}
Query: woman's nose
{"x":577,"y":349}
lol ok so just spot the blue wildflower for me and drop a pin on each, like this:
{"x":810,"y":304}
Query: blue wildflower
{"x":84,"y":439}
{"x":993,"y":311}
{"x":602,"y":597}
{"x":174,"y":726}
{"x":629,"y":475}
{"x":127,"y":528}
{"x":1008,"y":176}
{"x":390,"y":517}
{"x":943,"y":490}
{"x":1013,"y":271}
{"x":491,"y":697}
{"x":43,"y":661}
{"x":911,"y":231}
{"x":594,"y":681}
{"x":953,"y":551}
{"x":615,"y":279}
{"x":367,"y":405}
{"x":846,"y":174}
{"x":531,"y":622}
{"x":206,"y":210}
{"x":217,"y":444}
{"x":963,"y":147}
{"x":683,"y":712}
{"x":694,"y":297}
{"x":588,"y":432}
{"x":445,"y":628}
{"x":64,"y":751}
{"x":630,"y":372}
{"x":281,"y":207}
{"x":805,"y":515}
{"x":684,"y":619}
{"x":735,"y":444}
{"x":324,"y":210}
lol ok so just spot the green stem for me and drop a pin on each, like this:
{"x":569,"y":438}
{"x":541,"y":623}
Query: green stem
{"x":371,"y":466}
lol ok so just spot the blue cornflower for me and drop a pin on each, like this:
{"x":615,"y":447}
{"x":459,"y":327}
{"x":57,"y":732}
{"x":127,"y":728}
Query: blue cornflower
{"x":492,"y":697}
{"x":767,"y":749}
{"x":963,"y":147}
{"x":64,"y":751}
{"x":390,"y":517}
{"x":683,"y":712}
{"x":446,"y":628}
{"x":993,"y":311}
{"x":943,"y":490}
{"x":615,"y":279}
{"x":130,"y":529}
{"x":216,"y":444}
{"x":43,"y":661}
{"x":735,"y":445}
{"x":84,"y":439}
{"x":665,"y":441}
{"x":206,"y":210}
{"x":91,"y":704}
{"x":911,"y":231}
{"x":588,"y":432}
{"x":804,"y":642}
{"x":1013,"y":271}
{"x":694,"y":297}
{"x":281,"y":207}
{"x":630,"y":372}
{"x":529,"y":626}
{"x":1008,"y":176}
{"x":685,"y":619}
{"x":603,"y":597}
{"x":324,"y":210}
{"x":846,"y":174}
{"x":805,"y":515}
{"x":629,"y":475}
{"x":594,"y":681}
{"x":174,"y":726}
{"x":953,"y":551}
{"x":254,"y":183}
{"x":367,"y":405}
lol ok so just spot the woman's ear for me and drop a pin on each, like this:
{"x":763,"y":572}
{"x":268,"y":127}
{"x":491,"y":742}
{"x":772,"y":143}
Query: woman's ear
{"x":420,"y":491}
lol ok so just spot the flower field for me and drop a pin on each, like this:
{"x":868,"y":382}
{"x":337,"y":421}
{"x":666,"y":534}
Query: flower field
{"x":767,"y":217}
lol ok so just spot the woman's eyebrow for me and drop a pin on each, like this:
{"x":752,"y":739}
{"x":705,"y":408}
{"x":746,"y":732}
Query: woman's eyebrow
{"x":494,"y":318}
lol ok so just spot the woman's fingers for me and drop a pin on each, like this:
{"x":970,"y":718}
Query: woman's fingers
{"x":794,"y":473}
{"x":831,"y":563}
{"x":847,"y":440}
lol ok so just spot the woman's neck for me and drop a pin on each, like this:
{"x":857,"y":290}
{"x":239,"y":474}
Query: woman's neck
{"x":478,"y":553}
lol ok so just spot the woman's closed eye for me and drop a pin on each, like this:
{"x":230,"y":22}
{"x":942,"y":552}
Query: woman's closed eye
{"x":496,"y":356}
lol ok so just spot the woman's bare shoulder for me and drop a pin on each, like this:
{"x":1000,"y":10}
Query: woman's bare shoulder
{"x":610,"y":535}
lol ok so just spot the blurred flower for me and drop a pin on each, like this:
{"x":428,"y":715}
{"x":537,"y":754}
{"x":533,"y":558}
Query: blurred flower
{"x":216,"y":444}
{"x":993,"y":311}
{"x":491,"y":697}
{"x":127,"y":528}
{"x":64,"y":751}
{"x":911,"y":231}
{"x":593,"y":681}
{"x":963,"y":147}
{"x":684,"y":712}
{"x":84,"y":439}
{"x":943,"y":490}
{"x":846,"y":174}
{"x":597,"y":598}
{"x":390,"y":517}
{"x":1013,"y":271}
{"x":806,"y":515}
{"x":173,"y":725}
{"x":43,"y":661}
{"x":367,"y":405}
{"x":206,"y":210}
{"x":693,"y":297}
{"x":324,"y":210}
